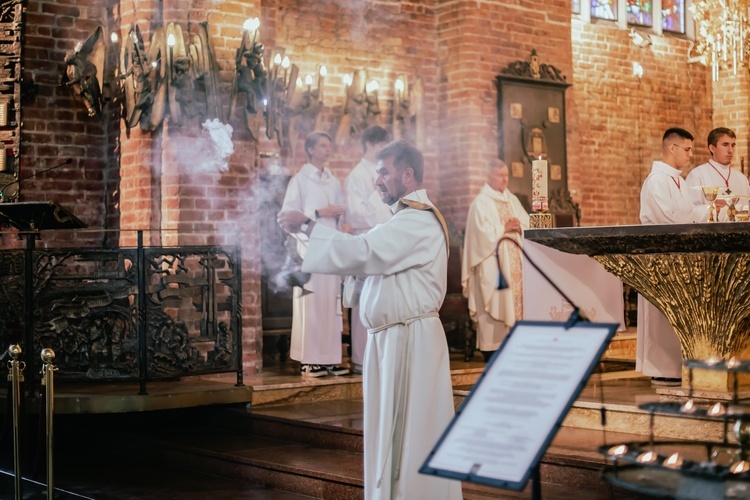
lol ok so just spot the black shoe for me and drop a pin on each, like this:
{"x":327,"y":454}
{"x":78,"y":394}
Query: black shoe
{"x":337,"y":370}
{"x":314,"y":371}
{"x":666,"y":382}
{"x":487,"y":355}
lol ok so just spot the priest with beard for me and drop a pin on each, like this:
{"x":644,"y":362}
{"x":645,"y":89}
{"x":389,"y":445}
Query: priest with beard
{"x":494,"y":213}
{"x":408,"y":399}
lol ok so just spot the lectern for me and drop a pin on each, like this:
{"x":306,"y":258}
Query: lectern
{"x":35,"y":216}
{"x":30,"y":218}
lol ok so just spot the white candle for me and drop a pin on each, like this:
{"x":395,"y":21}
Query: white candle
{"x":539,"y":185}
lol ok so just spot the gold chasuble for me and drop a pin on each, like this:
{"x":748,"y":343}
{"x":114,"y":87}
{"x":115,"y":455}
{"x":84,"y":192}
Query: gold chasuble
{"x":516,"y":262}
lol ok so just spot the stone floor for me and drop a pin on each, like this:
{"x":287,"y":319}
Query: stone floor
{"x":148,"y":477}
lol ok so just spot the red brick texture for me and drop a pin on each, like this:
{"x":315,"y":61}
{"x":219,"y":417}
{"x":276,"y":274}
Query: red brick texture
{"x":126,"y":180}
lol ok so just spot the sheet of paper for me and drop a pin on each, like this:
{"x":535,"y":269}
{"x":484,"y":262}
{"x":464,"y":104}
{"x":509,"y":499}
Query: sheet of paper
{"x":515,"y":408}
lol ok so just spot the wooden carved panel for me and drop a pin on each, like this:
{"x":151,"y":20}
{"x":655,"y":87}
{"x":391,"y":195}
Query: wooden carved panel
{"x":531,"y":124}
{"x":11,"y":26}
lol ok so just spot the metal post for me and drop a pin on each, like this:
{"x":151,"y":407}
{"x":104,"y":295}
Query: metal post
{"x":15,"y":377}
{"x":536,"y":482}
{"x":141,"y":325}
{"x":48,"y":381}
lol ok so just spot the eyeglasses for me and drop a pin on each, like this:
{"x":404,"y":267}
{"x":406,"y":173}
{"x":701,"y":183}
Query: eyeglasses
{"x":687,"y":150}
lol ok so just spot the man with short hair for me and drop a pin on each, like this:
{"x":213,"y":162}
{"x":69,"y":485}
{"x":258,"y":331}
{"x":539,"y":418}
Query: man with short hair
{"x":408,"y":399}
{"x":494,"y":213}
{"x":665,"y":199}
{"x":316,"y":317}
{"x":365,"y":210}
{"x":717,"y":171}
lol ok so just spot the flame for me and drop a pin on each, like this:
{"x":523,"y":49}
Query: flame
{"x":251,"y":24}
{"x":618,"y":451}
{"x":323,"y":71}
{"x":716,"y":410}
{"x":674,"y":461}
{"x":171,"y":40}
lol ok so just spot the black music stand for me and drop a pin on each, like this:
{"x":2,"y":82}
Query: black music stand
{"x":31,"y":217}
{"x":506,"y":424}
{"x":38,"y":216}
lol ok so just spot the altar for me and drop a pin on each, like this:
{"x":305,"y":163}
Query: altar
{"x":696,"y":274}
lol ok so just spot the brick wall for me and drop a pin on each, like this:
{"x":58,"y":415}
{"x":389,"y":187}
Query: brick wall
{"x":476,"y":40}
{"x":387,"y":38}
{"x":620,"y":119}
{"x":131,"y":179}
{"x":55,"y":125}
{"x":731,"y":104}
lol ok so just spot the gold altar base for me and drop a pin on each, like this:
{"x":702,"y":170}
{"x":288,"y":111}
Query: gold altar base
{"x":683,"y":393}
{"x":708,"y":385}
{"x":704,"y":297}
{"x":540,"y":220}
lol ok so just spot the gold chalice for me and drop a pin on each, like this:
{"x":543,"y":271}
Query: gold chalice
{"x":711,"y":192}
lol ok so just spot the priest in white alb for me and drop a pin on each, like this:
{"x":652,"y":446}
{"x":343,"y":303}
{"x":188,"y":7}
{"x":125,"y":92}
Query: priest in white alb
{"x":665,"y":199}
{"x":493,"y":213}
{"x":717,"y":171}
{"x":408,"y":399}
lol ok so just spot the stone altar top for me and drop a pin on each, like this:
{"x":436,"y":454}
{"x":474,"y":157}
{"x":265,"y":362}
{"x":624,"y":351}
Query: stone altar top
{"x":646,"y":239}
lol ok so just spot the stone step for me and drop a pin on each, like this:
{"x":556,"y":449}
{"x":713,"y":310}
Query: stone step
{"x":621,"y":347}
{"x":317,"y":454}
{"x":571,"y":464}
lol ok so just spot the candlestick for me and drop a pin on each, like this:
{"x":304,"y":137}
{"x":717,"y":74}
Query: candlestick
{"x":539,"y":186}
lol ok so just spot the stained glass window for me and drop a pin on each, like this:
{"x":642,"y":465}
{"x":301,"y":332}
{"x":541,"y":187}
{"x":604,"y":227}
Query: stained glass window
{"x":673,"y":15}
{"x":639,"y":12}
{"x":576,"y":6}
{"x":604,"y":9}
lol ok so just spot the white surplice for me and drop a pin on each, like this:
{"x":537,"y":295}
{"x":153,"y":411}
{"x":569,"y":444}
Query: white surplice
{"x":408,"y":394}
{"x":665,"y":199}
{"x":365,"y":210}
{"x":316,"y":317}
{"x":714,"y":173}
{"x":492,"y":310}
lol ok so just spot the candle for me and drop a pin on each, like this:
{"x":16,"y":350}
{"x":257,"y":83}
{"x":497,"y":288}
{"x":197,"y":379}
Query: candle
{"x":171,"y":42}
{"x":399,"y":89}
{"x":539,"y":185}
{"x":276,"y":64}
{"x":321,"y":78}
{"x":285,"y":65}
{"x":308,"y":82}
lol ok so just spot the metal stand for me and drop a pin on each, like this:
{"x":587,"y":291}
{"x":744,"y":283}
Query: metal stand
{"x":48,"y":381}
{"x":16,"y":377}
{"x":536,"y":483}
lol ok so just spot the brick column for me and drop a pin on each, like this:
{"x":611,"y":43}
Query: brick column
{"x":475,"y":41}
